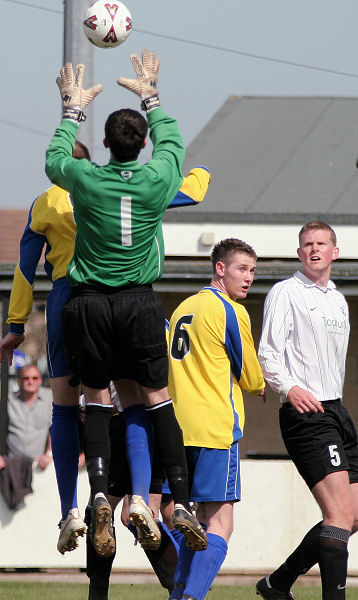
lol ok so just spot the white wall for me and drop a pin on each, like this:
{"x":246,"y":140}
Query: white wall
{"x":192,"y":239}
{"x":273,"y":516}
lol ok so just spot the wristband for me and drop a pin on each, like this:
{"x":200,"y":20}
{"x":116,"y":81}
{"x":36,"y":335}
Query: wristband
{"x":149,"y":103}
{"x":17,"y":328}
{"x":49,"y":453}
{"x":75,"y":114}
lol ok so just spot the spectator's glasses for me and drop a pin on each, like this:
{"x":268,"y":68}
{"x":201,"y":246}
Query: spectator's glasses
{"x":30,"y":377}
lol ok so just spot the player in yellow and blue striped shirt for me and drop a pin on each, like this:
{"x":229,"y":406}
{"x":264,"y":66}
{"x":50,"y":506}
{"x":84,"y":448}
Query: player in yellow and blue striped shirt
{"x":211,"y":360}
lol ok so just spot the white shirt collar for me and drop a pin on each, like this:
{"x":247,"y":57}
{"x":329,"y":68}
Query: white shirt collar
{"x":304,"y":280}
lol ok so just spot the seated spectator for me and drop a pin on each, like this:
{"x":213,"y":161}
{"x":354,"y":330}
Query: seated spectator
{"x":29,"y":419}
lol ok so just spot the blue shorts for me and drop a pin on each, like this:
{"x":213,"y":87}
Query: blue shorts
{"x":214,"y":475}
{"x":166,"y":491}
{"x":57,"y":362}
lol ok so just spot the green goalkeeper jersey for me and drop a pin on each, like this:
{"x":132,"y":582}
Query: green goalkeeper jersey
{"x":118,"y":207}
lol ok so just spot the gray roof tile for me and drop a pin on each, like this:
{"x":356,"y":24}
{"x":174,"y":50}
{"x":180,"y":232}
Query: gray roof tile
{"x":275,"y":158}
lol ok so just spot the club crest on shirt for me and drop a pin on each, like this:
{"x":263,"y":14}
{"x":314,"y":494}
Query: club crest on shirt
{"x":126,"y":174}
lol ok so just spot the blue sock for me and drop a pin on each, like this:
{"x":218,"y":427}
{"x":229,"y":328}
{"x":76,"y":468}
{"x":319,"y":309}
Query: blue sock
{"x":65,"y":448}
{"x":205,"y":566}
{"x":175,"y":536}
{"x":139,"y":435}
{"x":182,"y":570}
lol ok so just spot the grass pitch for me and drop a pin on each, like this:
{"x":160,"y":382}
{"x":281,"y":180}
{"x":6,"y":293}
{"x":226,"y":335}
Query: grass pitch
{"x":21,"y":590}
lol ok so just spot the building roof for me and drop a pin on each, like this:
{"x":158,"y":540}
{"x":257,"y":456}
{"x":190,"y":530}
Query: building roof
{"x":12,"y":224}
{"x":278,"y":160}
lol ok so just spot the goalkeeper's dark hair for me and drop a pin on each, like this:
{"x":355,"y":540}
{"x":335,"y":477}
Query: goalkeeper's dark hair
{"x":125,"y":132}
{"x":226,"y":248}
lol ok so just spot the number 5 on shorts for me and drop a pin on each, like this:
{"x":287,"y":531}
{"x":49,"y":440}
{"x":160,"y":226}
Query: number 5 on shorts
{"x":334,"y":454}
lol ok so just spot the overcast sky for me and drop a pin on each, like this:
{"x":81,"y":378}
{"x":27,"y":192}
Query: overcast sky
{"x":209,"y":51}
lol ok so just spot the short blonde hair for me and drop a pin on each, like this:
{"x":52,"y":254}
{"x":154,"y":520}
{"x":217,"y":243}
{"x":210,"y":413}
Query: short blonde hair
{"x":316,"y":225}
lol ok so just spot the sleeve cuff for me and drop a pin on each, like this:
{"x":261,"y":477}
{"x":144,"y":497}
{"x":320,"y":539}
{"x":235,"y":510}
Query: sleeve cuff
{"x":17,"y":328}
{"x":286,"y":387}
{"x":70,"y":125}
{"x":155,"y":115}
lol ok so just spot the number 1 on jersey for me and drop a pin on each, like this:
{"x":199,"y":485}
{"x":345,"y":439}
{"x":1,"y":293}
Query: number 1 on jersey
{"x":126,"y":220}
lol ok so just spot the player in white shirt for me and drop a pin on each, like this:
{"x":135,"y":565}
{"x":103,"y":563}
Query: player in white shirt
{"x":302,"y":353}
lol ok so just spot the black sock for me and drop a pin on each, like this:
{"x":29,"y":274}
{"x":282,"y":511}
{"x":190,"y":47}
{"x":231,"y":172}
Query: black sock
{"x":333,"y":562}
{"x":164,"y":560}
{"x":170,"y":448}
{"x":158,"y":475}
{"x":97,"y":446}
{"x":299,"y":562}
{"x":98,"y":568}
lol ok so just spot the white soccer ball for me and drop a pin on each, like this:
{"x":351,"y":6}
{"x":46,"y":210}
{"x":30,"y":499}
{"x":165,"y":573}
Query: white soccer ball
{"x":107,"y":24}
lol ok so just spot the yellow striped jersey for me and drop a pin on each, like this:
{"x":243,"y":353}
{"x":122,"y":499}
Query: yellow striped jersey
{"x":211,"y":359}
{"x":193,"y":188}
{"x":50,"y":225}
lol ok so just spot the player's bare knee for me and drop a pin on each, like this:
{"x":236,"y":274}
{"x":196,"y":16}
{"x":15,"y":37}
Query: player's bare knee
{"x":155,"y":396}
{"x":342,"y":517}
{"x":62,"y":393}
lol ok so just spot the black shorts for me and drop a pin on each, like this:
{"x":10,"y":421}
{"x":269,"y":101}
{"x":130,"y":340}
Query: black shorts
{"x":114,"y":334}
{"x":119,"y":477}
{"x":320,"y":443}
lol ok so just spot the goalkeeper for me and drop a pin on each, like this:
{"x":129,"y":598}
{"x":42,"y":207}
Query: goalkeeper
{"x":113,"y":319}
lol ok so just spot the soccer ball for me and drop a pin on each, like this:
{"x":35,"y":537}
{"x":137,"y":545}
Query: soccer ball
{"x":107,"y":24}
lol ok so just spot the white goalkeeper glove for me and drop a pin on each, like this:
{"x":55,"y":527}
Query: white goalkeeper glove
{"x":74,"y":97}
{"x":145,"y":85}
